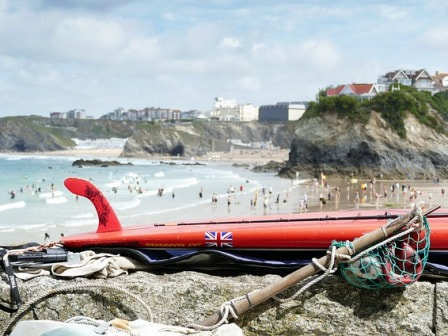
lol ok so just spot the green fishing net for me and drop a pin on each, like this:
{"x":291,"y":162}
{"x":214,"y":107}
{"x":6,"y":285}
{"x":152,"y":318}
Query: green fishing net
{"x":395,"y":264}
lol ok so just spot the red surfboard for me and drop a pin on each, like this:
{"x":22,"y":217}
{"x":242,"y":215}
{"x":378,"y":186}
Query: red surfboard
{"x":307,"y":231}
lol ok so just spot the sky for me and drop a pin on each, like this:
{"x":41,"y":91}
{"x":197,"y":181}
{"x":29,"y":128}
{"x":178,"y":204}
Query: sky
{"x":98,"y":55}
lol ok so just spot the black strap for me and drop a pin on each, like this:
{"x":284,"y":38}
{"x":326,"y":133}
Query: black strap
{"x":12,"y":284}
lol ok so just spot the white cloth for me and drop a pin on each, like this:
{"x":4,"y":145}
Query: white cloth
{"x":91,"y":264}
{"x":139,"y":327}
{"x":96,"y":265}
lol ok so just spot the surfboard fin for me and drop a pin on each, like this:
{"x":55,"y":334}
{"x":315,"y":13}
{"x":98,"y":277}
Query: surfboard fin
{"x":107,"y":219}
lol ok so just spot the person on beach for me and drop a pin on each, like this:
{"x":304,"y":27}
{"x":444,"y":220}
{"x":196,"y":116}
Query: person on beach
{"x":13,"y":194}
{"x":337,"y":194}
{"x":322,"y":199}
{"x":266,"y":202}
{"x":200,"y":193}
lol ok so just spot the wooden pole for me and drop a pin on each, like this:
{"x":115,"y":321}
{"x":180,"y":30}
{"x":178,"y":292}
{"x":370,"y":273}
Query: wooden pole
{"x":252,"y":299}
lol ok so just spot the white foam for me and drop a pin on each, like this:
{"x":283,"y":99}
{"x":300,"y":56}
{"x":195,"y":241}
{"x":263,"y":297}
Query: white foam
{"x":126,"y":205}
{"x":57,"y":200}
{"x":15,"y":205}
{"x":168,"y":185}
{"x":83,"y":216}
{"x":113,"y":184}
{"x":155,"y":212}
{"x":51,"y":195}
{"x":147,"y":193}
{"x":7,"y":230}
{"x":159,"y":174}
{"x":34,"y":226}
{"x":76,"y":223}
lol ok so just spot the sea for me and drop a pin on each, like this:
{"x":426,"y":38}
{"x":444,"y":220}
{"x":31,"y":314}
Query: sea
{"x":34,"y":201}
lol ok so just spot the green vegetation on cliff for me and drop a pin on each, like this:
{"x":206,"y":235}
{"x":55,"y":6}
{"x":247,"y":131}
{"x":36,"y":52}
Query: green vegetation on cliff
{"x":393,"y":107}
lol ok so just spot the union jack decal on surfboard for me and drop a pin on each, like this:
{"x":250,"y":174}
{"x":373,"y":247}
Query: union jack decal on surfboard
{"x":218,"y":239}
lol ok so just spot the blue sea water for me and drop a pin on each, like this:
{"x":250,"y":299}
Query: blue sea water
{"x":42,"y":204}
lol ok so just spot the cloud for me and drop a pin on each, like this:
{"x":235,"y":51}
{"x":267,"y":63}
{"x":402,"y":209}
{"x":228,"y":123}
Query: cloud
{"x":319,"y":53}
{"x":436,"y":38}
{"x":392,"y":13}
{"x":230,"y":42}
{"x":93,"y":5}
{"x":256,"y":47}
{"x":249,"y":83}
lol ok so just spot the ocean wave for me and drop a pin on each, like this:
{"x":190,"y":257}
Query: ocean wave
{"x":170,"y":184}
{"x":159,"y":174}
{"x":161,"y":211}
{"x":7,"y":230}
{"x":33,"y":226}
{"x":147,"y":193}
{"x":56,"y":200}
{"x":78,"y":222}
{"x":126,"y":205}
{"x":83,"y":216}
{"x":113,"y":184}
{"x":51,"y":194}
{"x":15,"y":205}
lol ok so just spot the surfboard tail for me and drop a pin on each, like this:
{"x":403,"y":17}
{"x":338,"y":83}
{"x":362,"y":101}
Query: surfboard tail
{"x":107,"y":219}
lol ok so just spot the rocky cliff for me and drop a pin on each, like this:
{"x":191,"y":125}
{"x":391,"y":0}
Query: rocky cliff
{"x":35,"y":134}
{"x":331,"y":144}
{"x":198,"y":138}
{"x":28,"y":134}
{"x":331,"y":307}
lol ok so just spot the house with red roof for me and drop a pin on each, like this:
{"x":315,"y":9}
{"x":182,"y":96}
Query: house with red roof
{"x":360,"y":91}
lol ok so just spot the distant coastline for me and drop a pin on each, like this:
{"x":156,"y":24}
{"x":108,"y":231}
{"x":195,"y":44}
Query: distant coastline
{"x":249,"y":157}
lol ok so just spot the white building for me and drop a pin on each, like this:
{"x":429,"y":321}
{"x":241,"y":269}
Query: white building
{"x":248,"y":112}
{"x":228,"y":110}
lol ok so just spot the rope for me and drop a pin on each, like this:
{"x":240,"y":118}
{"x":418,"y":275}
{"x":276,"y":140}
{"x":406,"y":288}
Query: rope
{"x":27,"y":306}
{"x":327,"y":271}
{"x":226,"y":309}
